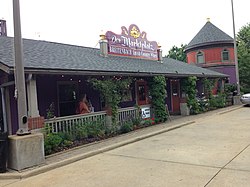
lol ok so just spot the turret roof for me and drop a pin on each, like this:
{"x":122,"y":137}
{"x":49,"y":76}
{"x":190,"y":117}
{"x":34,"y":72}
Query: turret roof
{"x":209,"y":35}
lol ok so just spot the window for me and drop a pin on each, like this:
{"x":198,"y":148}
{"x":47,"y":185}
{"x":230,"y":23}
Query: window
{"x":67,"y":98}
{"x":200,"y":57}
{"x":225,"y":55}
{"x":126,"y":95}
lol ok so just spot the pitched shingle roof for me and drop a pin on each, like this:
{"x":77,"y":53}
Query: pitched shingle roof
{"x":209,"y":34}
{"x":49,"y":56}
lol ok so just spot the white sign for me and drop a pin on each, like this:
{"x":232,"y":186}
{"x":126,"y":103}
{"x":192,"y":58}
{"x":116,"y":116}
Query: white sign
{"x":145,"y":112}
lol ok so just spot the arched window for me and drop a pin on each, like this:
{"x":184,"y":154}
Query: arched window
{"x":200,"y":57}
{"x":225,"y":55}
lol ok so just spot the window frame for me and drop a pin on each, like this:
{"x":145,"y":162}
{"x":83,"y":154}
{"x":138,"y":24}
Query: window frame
{"x":203,"y":55}
{"x":222,"y":55}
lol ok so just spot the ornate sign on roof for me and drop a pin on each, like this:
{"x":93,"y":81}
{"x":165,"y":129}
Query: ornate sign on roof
{"x":131,"y":42}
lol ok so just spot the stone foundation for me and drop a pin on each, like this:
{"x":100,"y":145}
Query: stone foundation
{"x":26,"y":151}
{"x":185,"y":111}
{"x":236,"y":100}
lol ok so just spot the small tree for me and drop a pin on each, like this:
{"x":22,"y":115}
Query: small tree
{"x":157,"y":89}
{"x":178,"y":53}
{"x":243,"y":41}
{"x":208,"y":86}
{"x":50,"y":111}
{"x":189,"y":87}
{"x":111,"y":91}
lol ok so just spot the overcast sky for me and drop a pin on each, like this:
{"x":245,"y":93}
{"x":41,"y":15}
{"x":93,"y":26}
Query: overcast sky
{"x":80,"y":22}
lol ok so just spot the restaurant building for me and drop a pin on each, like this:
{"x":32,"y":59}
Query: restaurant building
{"x":56,"y":74}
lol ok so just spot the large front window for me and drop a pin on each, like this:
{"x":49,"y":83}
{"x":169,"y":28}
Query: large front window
{"x":67,"y":92}
{"x":200,"y":57}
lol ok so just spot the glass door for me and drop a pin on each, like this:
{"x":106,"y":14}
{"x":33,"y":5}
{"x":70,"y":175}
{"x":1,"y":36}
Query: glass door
{"x":142,"y":93}
{"x":175,"y":94}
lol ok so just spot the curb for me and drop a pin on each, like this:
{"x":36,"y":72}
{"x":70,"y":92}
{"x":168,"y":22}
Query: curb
{"x":65,"y":162}
{"x":230,"y":110}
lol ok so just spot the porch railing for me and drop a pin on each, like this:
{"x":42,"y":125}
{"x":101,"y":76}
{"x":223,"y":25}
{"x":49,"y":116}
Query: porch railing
{"x":67,"y":123}
{"x":126,"y":114}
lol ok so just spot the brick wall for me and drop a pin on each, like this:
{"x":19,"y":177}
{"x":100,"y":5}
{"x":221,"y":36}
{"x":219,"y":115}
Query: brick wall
{"x":212,"y":55}
{"x":36,"y":123}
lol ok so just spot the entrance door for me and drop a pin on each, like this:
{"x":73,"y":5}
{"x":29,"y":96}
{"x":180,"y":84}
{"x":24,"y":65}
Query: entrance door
{"x":175,"y":95}
{"x":142,"y":93}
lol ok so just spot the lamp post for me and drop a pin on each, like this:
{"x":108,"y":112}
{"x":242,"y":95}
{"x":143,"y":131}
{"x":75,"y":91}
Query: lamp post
{"x":235,"y":53}
{"x":19,"y":72}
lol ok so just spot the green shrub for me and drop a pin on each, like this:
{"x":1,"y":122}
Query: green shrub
{"x":136,"y":121}
{"x":194,"y":106}
{"x":51,"y":142}
{"x":95,"y":129}
{"x":67,"y":143}
{"x":126,"y":127}
{"x":66,"y":136}
{"x":218,"y":101}
{"x":148,"y":122}
{"x":79,"y":131}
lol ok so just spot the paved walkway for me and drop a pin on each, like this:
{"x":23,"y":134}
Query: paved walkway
{"x":70,"y":156}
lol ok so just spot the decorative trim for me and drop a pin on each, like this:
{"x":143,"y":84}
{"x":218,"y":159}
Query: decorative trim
{"x":5,"y":68}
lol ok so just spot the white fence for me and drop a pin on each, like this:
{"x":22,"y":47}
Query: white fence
{"x":67,"y":123}
{"x":127,"y":114}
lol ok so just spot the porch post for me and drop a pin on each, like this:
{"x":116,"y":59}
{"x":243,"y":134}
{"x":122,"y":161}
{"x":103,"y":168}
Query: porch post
{"x":32,"y":99}
{"x":4,"y":111}
{"x":24,"y":151}
{"x":8,"y":111}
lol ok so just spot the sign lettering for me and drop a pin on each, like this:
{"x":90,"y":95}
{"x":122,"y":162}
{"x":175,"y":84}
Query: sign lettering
{"x":132,"y":42}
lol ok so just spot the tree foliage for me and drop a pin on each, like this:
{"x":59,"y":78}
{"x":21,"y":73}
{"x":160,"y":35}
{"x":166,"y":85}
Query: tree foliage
{"x":157,"y":87}
{"x":178,"y":53}
{"x":189,"y":87}
{"x":111,"y":91}
{"x":208,"y":87}
{"x":243,"y":41}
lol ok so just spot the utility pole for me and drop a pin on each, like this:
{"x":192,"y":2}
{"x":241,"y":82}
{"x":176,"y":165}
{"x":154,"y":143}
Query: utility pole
{"x":235,"y":54}
{"x":19,"y":72}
